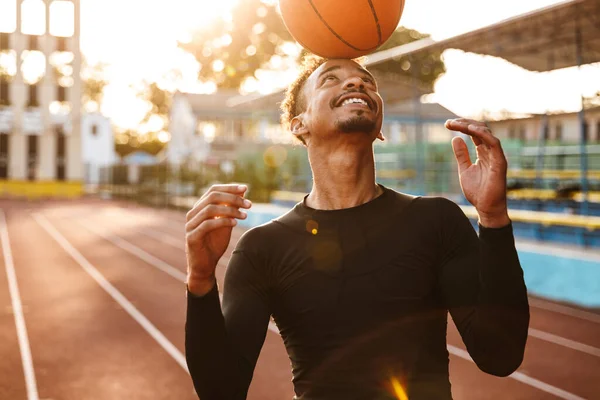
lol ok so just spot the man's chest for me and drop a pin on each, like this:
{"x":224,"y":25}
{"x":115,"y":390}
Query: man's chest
{"x":365,"y":275}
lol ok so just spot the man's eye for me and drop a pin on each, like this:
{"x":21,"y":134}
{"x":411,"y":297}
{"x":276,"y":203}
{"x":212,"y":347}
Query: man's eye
{"x":368,"y":80}
{"x":329,"y":78}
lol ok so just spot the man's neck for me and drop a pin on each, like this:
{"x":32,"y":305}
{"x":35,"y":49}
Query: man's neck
{"x":342,"y":178}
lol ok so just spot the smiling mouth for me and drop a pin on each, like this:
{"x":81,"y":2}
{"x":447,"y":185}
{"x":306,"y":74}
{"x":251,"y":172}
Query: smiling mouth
{"x":355,"y":101}
{"x":358,"y":99}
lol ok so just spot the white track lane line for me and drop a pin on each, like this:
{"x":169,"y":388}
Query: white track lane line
{"x":136,"y":251}
{"x":561,"y":341}
{"x":17,"y":307}
{"x":565,"y":310}
{"x":518,"y":376}
{"x":555,"y":339}
{"x":173,"y":226}
{"x":113,"y":292}
{"x":536,"y":303}
{"x":451,"y":349}
{"x":521,"y":377}
{"x":164,"y":238}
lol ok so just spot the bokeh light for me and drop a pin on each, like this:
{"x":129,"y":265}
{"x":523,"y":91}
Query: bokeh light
{"x":275,"y":156}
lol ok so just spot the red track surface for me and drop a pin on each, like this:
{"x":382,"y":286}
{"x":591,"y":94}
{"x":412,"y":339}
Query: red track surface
{"x":87,"y":345}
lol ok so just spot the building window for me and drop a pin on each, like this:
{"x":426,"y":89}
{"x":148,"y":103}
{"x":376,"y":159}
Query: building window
{"x":522,"y":134}
{"x":94,"y":129}
{"x":8,"y":16}
{"x":33,"y":66}
{"x":4,"y":92}
{"x":60,"y":155}
{"x":586,"y":131}
{"x":33,"y":96}
{"x":4,"y":41}
{"x":61,"y":44}
{"x":4,"y":155}
{"x":62,"y":18}
{"x":61,"y":93}
{"x":559,"y":131}
{"x":598,"y":131}
{"x":33,"y":42}
{"x":33,"y":17}
{"x":511,"y":132}
{"x":32,"y":157}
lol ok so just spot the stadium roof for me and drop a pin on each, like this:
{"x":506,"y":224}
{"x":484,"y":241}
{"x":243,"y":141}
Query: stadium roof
{"x":215,"y":105}
{"x":542,"y":40}
{"x":392,"y":88}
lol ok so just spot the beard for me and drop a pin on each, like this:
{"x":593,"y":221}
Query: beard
{"x":357,"y":123}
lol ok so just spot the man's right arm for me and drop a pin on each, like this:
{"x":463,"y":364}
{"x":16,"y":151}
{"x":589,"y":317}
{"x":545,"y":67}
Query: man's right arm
{"x":223,"y":343}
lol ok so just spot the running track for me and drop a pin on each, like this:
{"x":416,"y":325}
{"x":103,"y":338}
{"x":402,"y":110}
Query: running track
{"x":92,"y":306}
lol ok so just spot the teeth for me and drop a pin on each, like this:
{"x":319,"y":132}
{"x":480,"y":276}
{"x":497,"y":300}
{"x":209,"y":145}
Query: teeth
{"x":354,"y":100}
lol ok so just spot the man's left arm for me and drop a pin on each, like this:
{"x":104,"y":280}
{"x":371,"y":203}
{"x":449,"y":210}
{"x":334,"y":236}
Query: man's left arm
{"x":481,"y":277}
{"x":481,"y":283}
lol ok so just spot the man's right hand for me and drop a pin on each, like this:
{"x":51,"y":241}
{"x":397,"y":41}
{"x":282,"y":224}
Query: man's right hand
{"x":208,"y":232}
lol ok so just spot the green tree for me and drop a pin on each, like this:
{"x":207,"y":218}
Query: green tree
{"x":426,"y":67}
{"x":231,"y":51}
{"x":94,"y":82}
{"x":146,"y":137}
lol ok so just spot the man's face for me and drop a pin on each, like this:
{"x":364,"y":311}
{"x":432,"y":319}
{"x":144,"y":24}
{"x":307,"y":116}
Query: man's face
{"x":341,"y":97}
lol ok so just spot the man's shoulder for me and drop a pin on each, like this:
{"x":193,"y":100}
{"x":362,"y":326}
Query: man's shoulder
{"x":432,"y":209}
{"x":261,"y":236}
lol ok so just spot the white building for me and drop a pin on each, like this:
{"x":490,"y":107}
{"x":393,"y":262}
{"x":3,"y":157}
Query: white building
{"x":40,"y":93}
{"x":213,"y":128}
{"x":562,"y":127}
{"x":97,"y":146}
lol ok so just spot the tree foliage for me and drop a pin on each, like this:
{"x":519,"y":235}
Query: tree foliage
{"x":94,"y":82}
{"x":231,"y":51}
{"x":145,"y":137}
{"x":427,"y":67}
{"x":245,"y":43}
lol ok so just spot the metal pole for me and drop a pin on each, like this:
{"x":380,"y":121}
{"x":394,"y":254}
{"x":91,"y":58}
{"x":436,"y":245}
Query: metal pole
{"x":540,"y":151}
{"x":582,"y":130}
{"x":544,"y":132}
{"x":419,"y":144}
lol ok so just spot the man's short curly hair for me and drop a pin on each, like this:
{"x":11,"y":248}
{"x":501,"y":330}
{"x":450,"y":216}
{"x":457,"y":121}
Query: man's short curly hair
{"x":294,"y":103}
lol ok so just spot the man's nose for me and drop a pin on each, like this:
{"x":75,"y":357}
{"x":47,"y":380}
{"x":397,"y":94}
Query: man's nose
{"x":354,"y":82}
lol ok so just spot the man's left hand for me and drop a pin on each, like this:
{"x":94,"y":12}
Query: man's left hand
{"x":483,"y":182}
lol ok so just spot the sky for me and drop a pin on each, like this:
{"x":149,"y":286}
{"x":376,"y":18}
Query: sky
{"x":137,"y":39}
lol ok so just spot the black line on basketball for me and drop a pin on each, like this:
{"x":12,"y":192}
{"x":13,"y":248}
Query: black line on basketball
{"x":376,"y":21}
{"x":338,"y":36}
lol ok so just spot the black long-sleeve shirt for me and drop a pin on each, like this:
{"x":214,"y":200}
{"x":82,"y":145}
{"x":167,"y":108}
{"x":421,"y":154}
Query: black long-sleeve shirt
{"x":361,"y":296}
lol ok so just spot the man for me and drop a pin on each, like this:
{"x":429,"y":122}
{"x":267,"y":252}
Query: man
{"x":359,"y":278}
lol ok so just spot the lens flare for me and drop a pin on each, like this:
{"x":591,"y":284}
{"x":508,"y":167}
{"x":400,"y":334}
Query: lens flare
{"x":312,"y":226}
{"x":399,"y":390}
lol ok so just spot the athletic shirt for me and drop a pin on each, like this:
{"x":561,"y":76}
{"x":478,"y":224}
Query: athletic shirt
{"x":361,"y":298}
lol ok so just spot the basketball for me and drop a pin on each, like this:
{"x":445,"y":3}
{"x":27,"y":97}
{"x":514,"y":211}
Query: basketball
{"x":341,"y":28}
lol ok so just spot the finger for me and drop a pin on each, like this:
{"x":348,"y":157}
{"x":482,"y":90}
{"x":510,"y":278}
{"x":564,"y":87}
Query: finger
{"x":230,"y":199}
{"x":462,"y":125}
{"x":466,"y":121}
{"x":214,"y":211}
{"x":227,"y":188}
{"x":461,"y":152}
{"x":476,"y":131}
{"x":208,"y":226}
{"x":476,"y":141}
{"x":485,"y":134}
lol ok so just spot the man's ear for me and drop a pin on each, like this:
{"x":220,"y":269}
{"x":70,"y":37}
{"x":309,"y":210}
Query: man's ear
{"x":298,"y":128}
{"x":381,"y":137}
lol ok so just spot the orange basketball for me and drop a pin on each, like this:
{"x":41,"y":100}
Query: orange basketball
{"x":341,"y":28}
